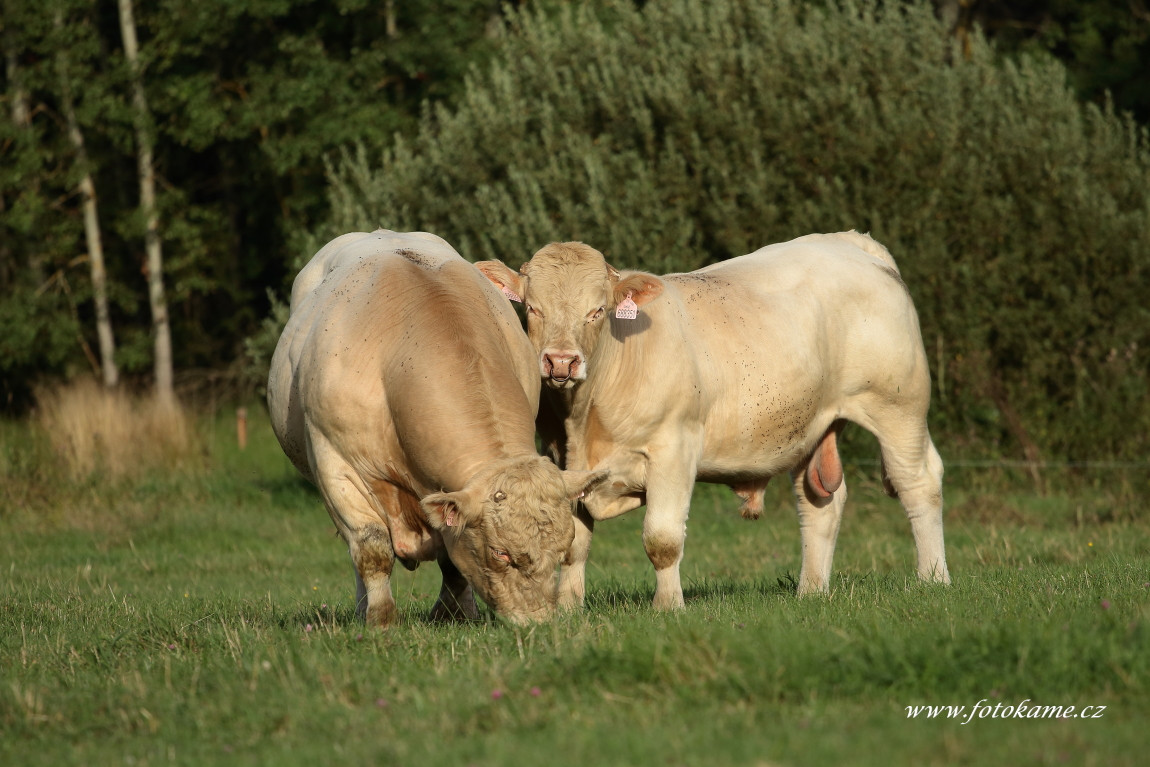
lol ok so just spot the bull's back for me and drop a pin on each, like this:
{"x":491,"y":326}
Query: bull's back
{"x":821,"y":303}
{"x":375,"y":336}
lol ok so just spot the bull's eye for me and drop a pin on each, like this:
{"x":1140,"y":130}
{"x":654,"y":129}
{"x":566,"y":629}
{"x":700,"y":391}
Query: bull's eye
{"x":592,"y":316}
{"x":499,"y":496}
{"x":501,"y":555}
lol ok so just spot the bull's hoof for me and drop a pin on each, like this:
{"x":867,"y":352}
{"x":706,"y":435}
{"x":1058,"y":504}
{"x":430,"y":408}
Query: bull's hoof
{"x":571,"y":596}
{"x":380,"y":615}
{"x":668,"y":602}
{"x":811,"y":587}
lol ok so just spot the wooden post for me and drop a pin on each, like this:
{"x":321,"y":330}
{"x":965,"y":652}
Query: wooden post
{"x":242,"y":427}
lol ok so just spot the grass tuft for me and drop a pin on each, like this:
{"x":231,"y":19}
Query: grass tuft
{"x":94,"y":430}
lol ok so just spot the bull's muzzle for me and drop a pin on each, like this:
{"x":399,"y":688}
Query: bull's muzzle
{"x":541,"y":615}
{"x":560,"y":367}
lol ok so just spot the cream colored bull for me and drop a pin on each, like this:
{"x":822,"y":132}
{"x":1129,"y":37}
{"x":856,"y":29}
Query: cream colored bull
{"x":403,"y":387}
{"x":732,"y":374}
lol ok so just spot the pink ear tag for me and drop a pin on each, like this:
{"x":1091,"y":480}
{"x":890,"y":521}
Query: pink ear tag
{"x":627,"y":309}
{"x":511,"y":294}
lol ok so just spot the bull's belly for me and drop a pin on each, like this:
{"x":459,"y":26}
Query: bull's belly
{"x":750,"y":466}
{"x":760,"y":444}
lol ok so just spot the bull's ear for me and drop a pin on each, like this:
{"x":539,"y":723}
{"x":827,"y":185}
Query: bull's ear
{"x":579,"y":482}
{"x":641,"y":286}
{"x":509,"y":283}
{"x":444,"y":510}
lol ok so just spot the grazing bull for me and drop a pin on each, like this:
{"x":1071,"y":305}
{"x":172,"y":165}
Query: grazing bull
{"x":733,"y":374}
{"x":404,"y":389}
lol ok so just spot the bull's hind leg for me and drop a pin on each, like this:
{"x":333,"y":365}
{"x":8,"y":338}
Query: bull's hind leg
{"x":820,"y":516}
{"x":912,"y":468}
{"x":821,"y":494}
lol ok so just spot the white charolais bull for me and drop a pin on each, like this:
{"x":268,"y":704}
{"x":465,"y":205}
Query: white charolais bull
{"x":403,"y":387}
{"x":732,"y":374}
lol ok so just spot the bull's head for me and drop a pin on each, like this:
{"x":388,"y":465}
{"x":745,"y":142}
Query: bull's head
{"x":507,"y":531}
{"x":569,"y":291}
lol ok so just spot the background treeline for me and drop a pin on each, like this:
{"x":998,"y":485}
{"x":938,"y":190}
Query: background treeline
{"x":686,"y":133}
{"x":244,"y":99}
{"x":1012,"y":190}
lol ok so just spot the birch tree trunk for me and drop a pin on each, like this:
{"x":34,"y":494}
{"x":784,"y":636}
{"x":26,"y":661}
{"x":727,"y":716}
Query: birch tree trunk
{"x":6,"y":266}
{"x":155,"y":258}
{"x":22,"y":118}
{"x":91,"y":225}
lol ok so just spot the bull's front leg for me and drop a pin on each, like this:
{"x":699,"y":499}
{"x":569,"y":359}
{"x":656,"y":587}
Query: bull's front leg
{"x":368,"y":540}
{"x":620,"y":494}
{"x":573,"y":573}
{"x":373,"y":558}
{"x":456,"y":600}
{"x":665,"y":527}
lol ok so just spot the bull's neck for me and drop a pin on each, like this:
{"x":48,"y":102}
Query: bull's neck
{"x":456,"y":431}
{"x":618,"y":367}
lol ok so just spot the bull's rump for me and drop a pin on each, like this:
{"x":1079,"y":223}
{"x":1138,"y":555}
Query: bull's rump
{"x":792,"y":337}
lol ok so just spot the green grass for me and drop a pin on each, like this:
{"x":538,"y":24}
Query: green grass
{"x":207,"y":618}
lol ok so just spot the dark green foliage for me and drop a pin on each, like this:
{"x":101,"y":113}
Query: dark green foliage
{"x":684,"y":133}
{"x":246,"y":98}
{"x":1105,"y":44}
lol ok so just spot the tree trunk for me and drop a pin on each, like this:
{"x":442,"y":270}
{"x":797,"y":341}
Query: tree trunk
{"x":91,"y":225}
{"x":22,"y":119}
{"x":390,"y":27}
{"x":155,"y":258}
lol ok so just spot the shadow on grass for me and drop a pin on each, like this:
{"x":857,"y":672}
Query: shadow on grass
{"x":612,"y":597}
{"x":343,"y":616}
{"x":717,"y":590}
{"x":634,"y":597}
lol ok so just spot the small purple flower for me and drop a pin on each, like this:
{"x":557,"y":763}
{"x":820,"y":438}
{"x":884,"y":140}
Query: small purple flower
{"x":172,"y":646}
{"x":380,"y":703}
{"x":359,"y":637}
{"x":307,"y":629}
{"x":496,"y":694}
{"x":535,"y":692}
{"x":1105,"y":604}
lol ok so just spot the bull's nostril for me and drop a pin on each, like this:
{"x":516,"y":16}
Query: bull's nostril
{"x":559,"y":366}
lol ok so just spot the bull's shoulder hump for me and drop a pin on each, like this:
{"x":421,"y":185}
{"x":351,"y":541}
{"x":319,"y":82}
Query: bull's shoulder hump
{"x":324,"y":260}
{"x":378,"y":250}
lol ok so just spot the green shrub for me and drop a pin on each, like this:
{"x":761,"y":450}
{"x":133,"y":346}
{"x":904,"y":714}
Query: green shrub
{"x":685,"y":133}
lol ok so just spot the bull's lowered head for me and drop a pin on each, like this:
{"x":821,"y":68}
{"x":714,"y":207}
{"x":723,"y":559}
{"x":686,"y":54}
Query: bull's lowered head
{"x":569,"y":291}
{"x":508,"y":529}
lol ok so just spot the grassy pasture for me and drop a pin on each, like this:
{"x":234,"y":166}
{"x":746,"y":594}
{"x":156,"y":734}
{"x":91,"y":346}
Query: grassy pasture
{"x":206,"y":617}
